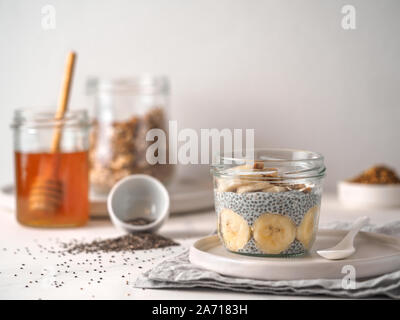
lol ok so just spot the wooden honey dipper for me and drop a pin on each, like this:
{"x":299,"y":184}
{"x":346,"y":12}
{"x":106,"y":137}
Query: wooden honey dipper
{"x":47,"y":191}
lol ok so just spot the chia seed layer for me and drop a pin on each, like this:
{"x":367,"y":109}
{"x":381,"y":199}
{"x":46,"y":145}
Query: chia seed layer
{"x":293,"y":204}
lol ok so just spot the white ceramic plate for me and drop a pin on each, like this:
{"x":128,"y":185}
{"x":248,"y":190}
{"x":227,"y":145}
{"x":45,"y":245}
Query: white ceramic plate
{"x":359,"y":195}
{"x":376,"y":254}
{"x":186,"y":195}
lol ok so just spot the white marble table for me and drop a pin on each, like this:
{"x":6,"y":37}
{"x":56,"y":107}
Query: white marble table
{"x":28,"y":272}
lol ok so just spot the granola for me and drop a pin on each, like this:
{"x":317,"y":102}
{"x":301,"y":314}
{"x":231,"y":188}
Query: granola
{"x":118,"y":149}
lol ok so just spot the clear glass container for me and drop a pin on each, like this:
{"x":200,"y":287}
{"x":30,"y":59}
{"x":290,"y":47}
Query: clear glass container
{"x":268,"y":205}
{"x":124,"y":111}
{"x":57,"y":180}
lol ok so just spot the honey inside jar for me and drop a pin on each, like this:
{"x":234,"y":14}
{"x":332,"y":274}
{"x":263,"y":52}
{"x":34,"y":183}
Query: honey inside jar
{"x":51,"y":167}
{"x":72,"y":172}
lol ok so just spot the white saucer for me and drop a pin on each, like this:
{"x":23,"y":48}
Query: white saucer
{"x":376,"y":255}
{"x":186,"y":195}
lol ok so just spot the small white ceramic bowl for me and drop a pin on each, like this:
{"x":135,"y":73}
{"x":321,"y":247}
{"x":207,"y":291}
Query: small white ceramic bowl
{"x":138,"y":196}
{"x":360,"y":195}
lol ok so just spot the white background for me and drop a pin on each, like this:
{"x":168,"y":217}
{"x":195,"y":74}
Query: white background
{"x":285,"y":68}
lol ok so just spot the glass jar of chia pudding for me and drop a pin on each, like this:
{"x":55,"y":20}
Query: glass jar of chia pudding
{"x":268,"y":205}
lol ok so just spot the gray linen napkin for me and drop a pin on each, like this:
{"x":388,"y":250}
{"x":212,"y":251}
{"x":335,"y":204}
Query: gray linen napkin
{"x":178,"y":272}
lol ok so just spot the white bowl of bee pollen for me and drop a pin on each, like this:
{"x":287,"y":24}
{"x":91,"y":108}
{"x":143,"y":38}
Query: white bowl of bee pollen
{"x":361,"y":195}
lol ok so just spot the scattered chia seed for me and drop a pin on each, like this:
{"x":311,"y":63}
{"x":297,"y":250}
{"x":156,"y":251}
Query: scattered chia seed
{"x":69,"y":265}
{"x":130,"y":242}
{"x":139,"y":221}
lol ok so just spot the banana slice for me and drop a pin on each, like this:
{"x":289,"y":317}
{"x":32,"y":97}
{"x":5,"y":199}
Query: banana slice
{"x":275,"y":189}
{"x":234,"y":230}
{"x":229,"y":185}
{"x":273,"y":233}
{"x":252,"y":187}
{"x":257,"y":165}
{"x":255,"y":171}
{"x":305,"y":231}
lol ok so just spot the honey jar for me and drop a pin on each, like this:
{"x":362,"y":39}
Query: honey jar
{"x":51,"y":187}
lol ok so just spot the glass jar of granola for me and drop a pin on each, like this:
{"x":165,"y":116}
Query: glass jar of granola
{"x":268,"y":205}
{"x":124,"y":111}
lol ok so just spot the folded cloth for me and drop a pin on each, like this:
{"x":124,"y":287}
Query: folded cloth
{"x":178,"y":272}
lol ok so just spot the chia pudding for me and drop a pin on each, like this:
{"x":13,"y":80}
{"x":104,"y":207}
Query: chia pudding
{"x":263,"y":213}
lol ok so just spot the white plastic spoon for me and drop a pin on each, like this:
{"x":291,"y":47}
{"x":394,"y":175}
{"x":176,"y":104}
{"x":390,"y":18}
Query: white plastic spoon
{"x":345,"y":248}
